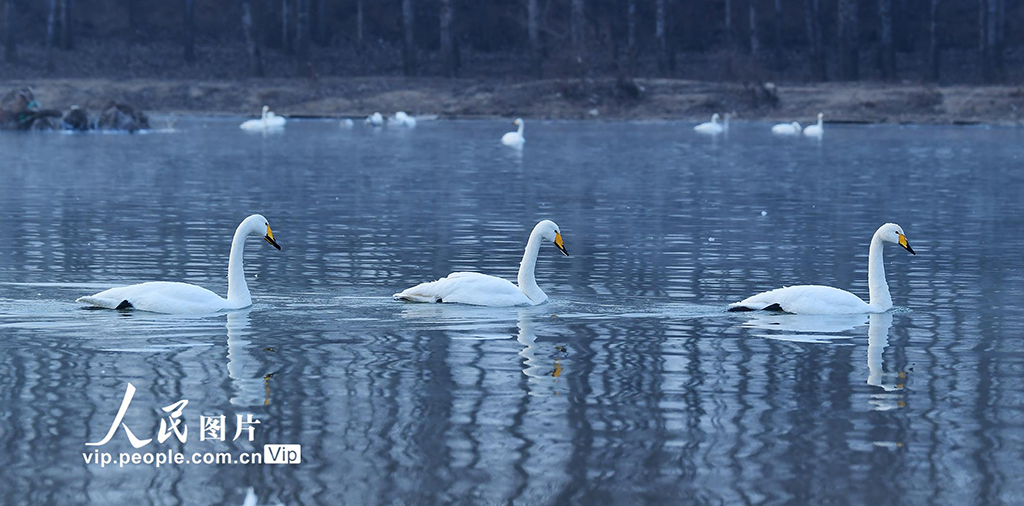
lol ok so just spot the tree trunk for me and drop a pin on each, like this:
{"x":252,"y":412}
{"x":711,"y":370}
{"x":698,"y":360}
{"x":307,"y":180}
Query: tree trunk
{"x":728,"y":39}
{"x":302,"y":31}
{"x":886,"y":51}
{"x":360,"y":37}
{"x":755,"y":40}
{"x":631,"y":37}
{"x":533,"y":32}
{"x":409,"y":48}
{"x":933,"y":42}
{"x":577,"y":25}
{"x":661,"y":36}
{"x":286,"y":27}
{"x":780,"y":61}
{"x":812,"y":18}
{"x":321,"y":23}
{"x":251,"y":44}
{"x":848,"y":50}
{"x":992,"y":54}
{"x":10,"y":44}
{"x":51,"y":33}
{"x":189,"y":35}
{"x":447,"y":46}
{"x":67,"y":25}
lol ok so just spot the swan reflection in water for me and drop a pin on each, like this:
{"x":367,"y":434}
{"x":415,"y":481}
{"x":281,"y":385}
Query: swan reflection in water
{"x":833,"y":329}
{"x":536,"y":369}
{"x":252,"y":387}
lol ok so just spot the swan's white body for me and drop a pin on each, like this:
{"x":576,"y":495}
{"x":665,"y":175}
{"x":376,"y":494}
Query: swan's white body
{"x":814,"y":299}
{"x":169,"y":297}
{"x":347,"y":123}
{"x":787,"y":129}
{"x":815,"y":130}
{"x":268,"y":120}
{"x":712,"y":127}
{"x":515,"y":139}
{"x":483,"y":290}
{"x":375,"y":120}
{"x":401,"y":119}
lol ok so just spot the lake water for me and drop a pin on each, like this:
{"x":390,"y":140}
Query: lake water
{"x":631,"y":385}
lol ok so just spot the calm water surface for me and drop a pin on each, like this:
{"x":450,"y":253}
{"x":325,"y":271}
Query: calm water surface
{"x":632,"y":385}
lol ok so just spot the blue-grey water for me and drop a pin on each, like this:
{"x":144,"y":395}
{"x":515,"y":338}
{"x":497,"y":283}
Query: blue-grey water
{"x":631,"y":385}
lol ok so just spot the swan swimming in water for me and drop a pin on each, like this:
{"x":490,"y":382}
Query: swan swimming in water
{"x":814,"y":299}
{"x":267,"y":121}
{"x":169,"y":297}
{"x":375,"y":120}
{"x":401,"y":119}
{"x":713,"y":127}
{"x":817,"y":129}
{"x":483,"y":290}
{"x":787,"y":129}
{"x":515,"y":139}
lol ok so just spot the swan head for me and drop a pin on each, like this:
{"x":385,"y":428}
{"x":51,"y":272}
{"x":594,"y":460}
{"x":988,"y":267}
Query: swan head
{"x":820,"y":116}
{"x":796,"y":125}
{"x":518,"y":122}
{"x":891,"y":232}
{"x":548,"y":231}
{"x":258,"y":226}
{"x":266,"y":109}
{"x":715,"y":117}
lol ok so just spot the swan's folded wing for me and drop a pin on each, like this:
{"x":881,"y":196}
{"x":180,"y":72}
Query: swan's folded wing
{"x":466,"y":288}
{"x":158,"y":297}
{"x":804,"y":299}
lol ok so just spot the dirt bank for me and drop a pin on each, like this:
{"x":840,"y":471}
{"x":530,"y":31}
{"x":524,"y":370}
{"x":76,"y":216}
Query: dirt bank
{"x":562,"y":98}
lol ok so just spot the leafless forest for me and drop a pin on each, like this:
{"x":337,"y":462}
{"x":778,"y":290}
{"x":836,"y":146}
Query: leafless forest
{"x":948,"y":41}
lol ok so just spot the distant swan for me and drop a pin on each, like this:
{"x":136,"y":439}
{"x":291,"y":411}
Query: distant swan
{"x":347,"y":123}
{"x":267,"y":121}
{"x":375,"y":120}
{"x":515,"y":139}
{"x":168,"y":297}
{"x":814,"y":299}
{"x":483,"y":290}
{"x":815,"y":130}
{"x":401,"y":119}
{"x":712,"y":127}
{"x":786,"y":129}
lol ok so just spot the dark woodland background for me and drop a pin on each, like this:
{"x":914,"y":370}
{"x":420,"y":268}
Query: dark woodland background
{"x":949,"y":41}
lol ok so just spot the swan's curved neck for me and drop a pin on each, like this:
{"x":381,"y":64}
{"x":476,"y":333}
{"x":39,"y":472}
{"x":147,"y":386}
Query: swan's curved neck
{"x":526,"y":279}
{"x":521,"y":124}
{"x":877,"y":287}
{"x":819,"y":120}
{"x":238,"y":291}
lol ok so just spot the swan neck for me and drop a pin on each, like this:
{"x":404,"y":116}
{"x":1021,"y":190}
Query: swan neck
{"x":521,"y":125}
{"x":238,"y":290}
{"x":877,"y":287}
{"x":526,"y":279}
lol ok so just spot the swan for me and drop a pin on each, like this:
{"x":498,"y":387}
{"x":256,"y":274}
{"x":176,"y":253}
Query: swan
{"x":375,"y":120}
{"x":815,"y":130}
{"x":786,"y":129}
{"x":267,"y":120}
{"x":712,"y":127}
{"x":401,"y":119}
{"x":483,"y":290}
{"x":168,"y":297}
{"x":814,"y":299}
{"x":515,"y":139}
{"x":347,"y":123}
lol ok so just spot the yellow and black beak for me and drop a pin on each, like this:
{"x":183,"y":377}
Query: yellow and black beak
{"x":906,"y":246}
{"x":558,"y":242}
{"x":270,"y":238}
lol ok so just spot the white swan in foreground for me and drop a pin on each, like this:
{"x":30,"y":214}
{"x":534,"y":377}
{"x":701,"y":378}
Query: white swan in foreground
{"x":815,"y":130}
{"x":787,"y":129}
{"x":814,"y":299}
{"x":168,"y":297}
{"x":267,"y":121}
{"x":375,"y":120}
{"x":401,"y":119}
{"x":712,"y":127}
{"x":515,"y":139}
{"x":483,"y":290}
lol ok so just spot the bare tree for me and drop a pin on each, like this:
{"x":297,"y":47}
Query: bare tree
{"x":661,"y":35}
{"x":320,"y":28}
{"x":728,"y":39}
{"x":302,"y":31}
{"x":409,"y":48}
{"x":360,"y":37}
{"x":631,"y":36}
{"x":755,"y":40}
{"x":11,"y":43}
{"x":67,"y":32}
{"x":933,"y":42}
{"x":51,"y":21}
{"x":286,"y":26}
{"x":447,"y":44}
{"x":189,"y":32}
{"x":812,"y":17}
{"x":533,"y":32}
{"x":992,"y":52}
{"x":779,"y":56}
{"x":848,"y":40}
{"x":251,"y":44}
{"x":577,"y":25}
{"x":886,"y":50}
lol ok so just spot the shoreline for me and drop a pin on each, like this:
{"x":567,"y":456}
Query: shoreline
{"x":600,"y":98}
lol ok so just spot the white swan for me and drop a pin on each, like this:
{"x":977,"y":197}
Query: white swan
{"x":815,"y":130}
{"x":347,"y":123}
{"x":401,"y":119}
{"x":814,"y":299}
{"x":482,"y":290}
{"x":515,"y":139}
{"x":375,"y":120}
{"x":712,"y":127}
{"x":168,"y":297}
{"x":267,"y":121}
{"x":787,"y":129}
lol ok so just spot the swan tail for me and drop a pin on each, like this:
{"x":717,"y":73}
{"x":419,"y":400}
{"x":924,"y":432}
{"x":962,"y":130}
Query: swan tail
{"x":414,"y":297}
{"x":105,"y":303}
